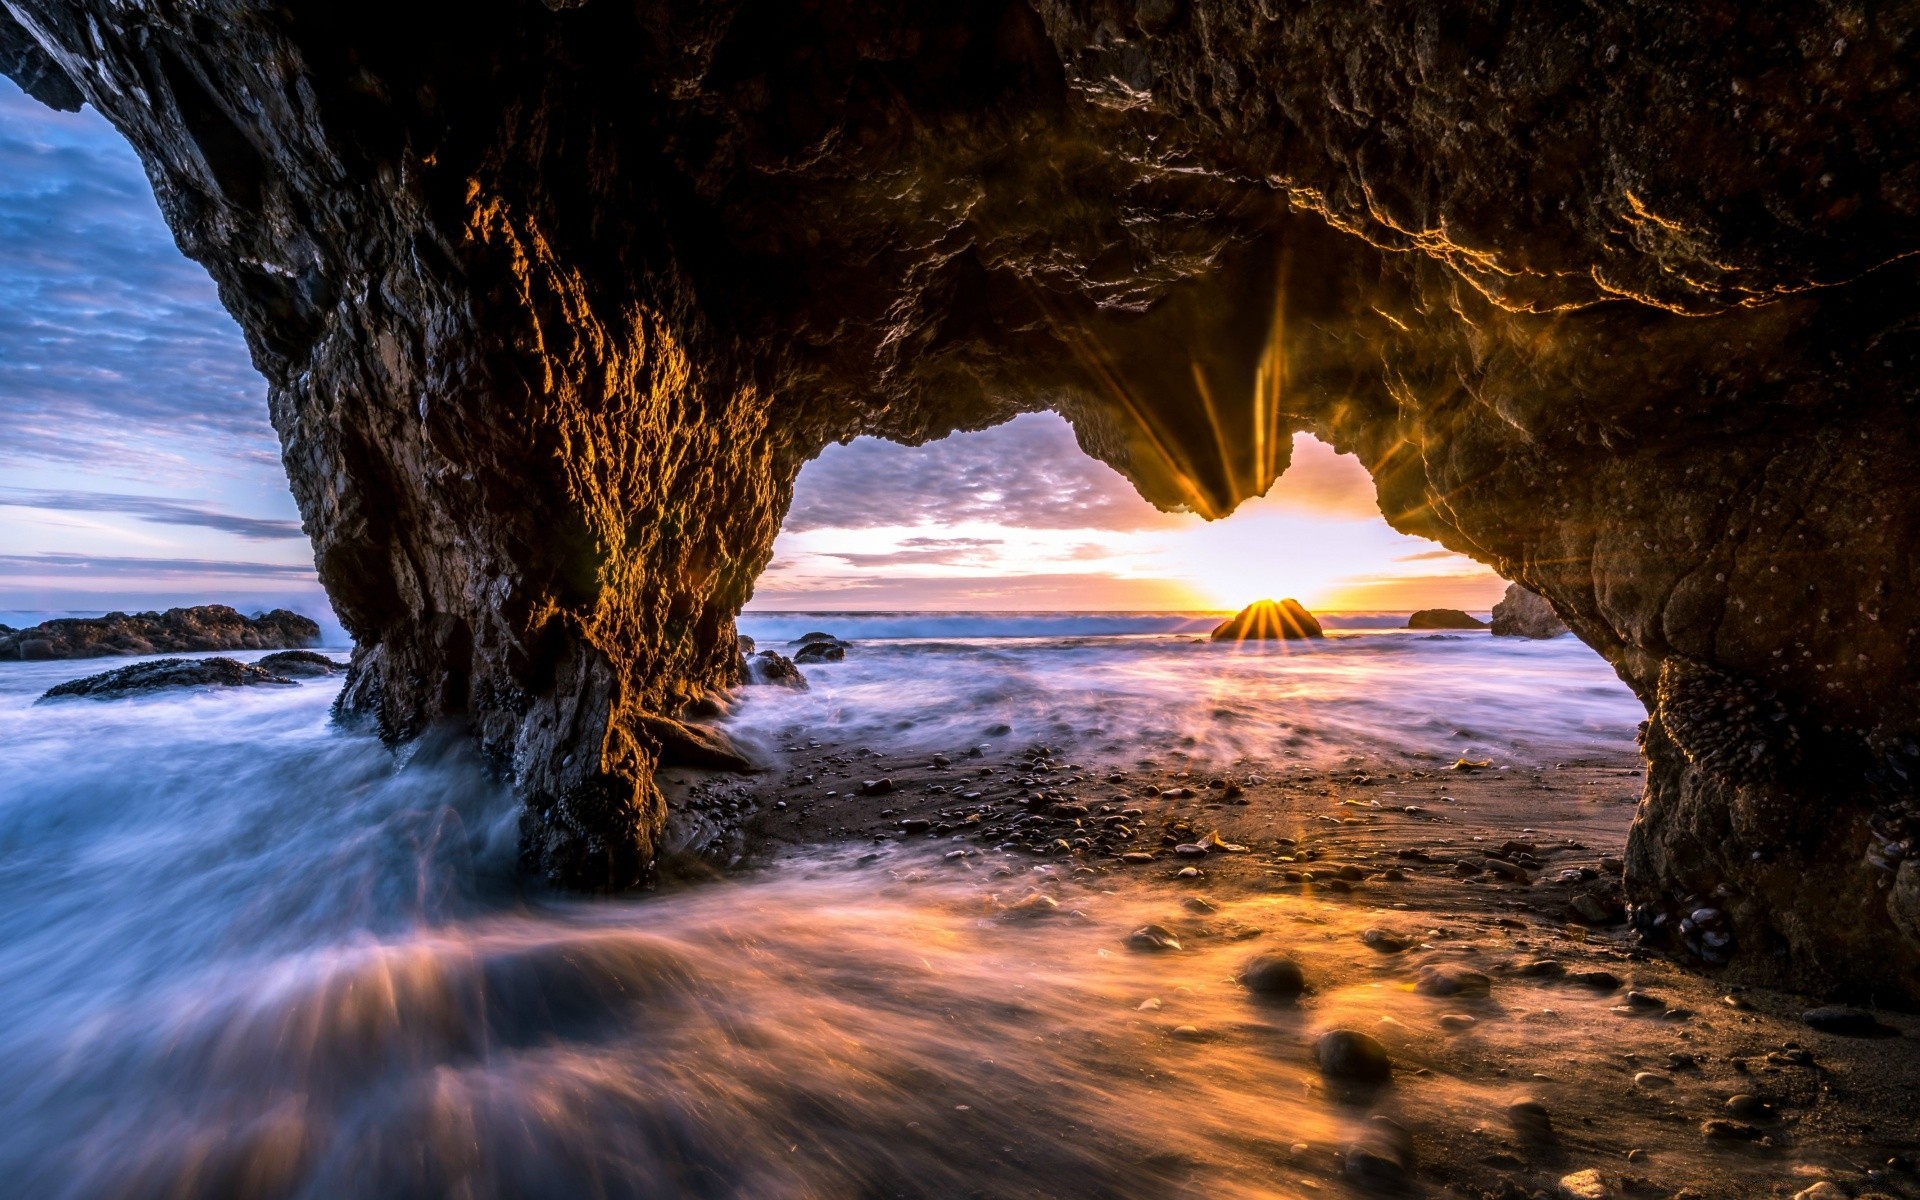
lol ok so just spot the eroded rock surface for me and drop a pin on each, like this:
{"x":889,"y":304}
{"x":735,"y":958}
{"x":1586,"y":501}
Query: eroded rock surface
{"x":555,"y":299}
{"x":177,"y":630}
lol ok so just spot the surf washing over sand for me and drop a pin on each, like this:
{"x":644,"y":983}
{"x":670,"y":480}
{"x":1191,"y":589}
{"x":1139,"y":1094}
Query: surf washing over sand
{"x":251,"y":955}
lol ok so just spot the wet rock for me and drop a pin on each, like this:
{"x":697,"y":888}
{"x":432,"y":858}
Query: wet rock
{"x":1274,"y":976}
{"x":816,"y":638}
{"x":1033,"y":904}
{"x":1264,"y":620}
{"x":1381,"y":1159}
{"x":1457,"y":1022}
{"x":1384,"y":941}
{"x":1153,"y":939}
{"x":1718,"y":1130}
{"x":819,"y":652}
{"x":776,"y":669}
{"x":1824,"y":1190}
{"x":1530,"y":1118}
{"x":175,"y":631}
{"x":1443,"y":618}
{"x":1524,"y":614}
{"x":1652,"y":1081}
{"x":165,"y":674}
{"x":300,"y":664}
{"x":1847,"y":1022}
{"x":1349,"y":1056}
{"x":1451,"y":981}
{"x":877,"y":787}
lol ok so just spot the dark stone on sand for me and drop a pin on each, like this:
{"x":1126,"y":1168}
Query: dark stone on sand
{"x":1600,"y":981}
{"x":1352,"y":1057}
{"x":1153,"y":939}
{"x":876,"y":787}
{"x":1444,"y":618}
{"x":1384,"y":941}
{"x":1274,"y":976}
{"x":164,"y":675}
{"x":301,"y":664}
{"x":1530,"y":1119}
{"x":1728,"y":1131}
{"x":1263,"y":620}
{"x":773,"y":667}
{"x":1524,"y":614}
{"x":1847,"y":1022}
{"x":1380,"y":1160}
{"x":809,"y":639}
{"x":1451,"y":981}
{"x":176,"y":631}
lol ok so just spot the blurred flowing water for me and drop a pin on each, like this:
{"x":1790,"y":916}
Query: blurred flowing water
{"x":249,"y":955}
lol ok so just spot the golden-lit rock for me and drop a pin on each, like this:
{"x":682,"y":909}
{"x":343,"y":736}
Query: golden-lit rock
{"x":1265,"y":621}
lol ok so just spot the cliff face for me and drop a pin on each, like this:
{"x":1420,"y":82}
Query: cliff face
{"x":555,"y":299}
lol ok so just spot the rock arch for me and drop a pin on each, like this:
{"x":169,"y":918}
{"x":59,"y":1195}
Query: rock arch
{"x":555,"y":299}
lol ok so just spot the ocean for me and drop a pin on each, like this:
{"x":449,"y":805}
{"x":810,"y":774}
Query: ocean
{"x":247,"y":954}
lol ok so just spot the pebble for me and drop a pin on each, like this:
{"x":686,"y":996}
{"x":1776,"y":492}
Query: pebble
{"x":1153,"y":939}
{"x":1749,"y":1107}
{"x":1652,"y":1080}
{"x":1530,"y":1119}
{"x":1033,"y":904}
{"x":1457,"y":1022}
{"x":1136,"y":857}
{"x":1644,"y":1000}
{"x":1273,"y":975}
{"x":1187,"y":873}
{"x":876,"y":787}
{"x":1821,"y":1191}
{"x":1728,"y":1131}
{"x":1351,"y":1056}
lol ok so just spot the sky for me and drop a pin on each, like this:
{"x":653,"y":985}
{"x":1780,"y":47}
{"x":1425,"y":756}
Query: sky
{"x":137,"y":467}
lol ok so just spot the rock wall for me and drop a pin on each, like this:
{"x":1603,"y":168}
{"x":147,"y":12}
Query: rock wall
{"x":555,"y":299}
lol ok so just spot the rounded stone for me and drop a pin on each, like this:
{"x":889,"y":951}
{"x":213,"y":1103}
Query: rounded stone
{"x":1352,"y":1057}
{"x":1274,"y":976}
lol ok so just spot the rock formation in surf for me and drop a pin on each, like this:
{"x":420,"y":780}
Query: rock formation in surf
{"x":1524,"y":614}
{"x":554,"y":299}
{"x":1444,"y":618}
{"x":177,"y":630}
{"x":1266,"y":621}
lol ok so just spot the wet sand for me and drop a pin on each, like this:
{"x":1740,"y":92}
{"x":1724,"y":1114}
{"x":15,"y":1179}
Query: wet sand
{"x":1465,"y":917}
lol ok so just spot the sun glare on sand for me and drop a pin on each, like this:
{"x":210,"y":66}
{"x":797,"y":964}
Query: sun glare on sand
{"x":1019,"y":518}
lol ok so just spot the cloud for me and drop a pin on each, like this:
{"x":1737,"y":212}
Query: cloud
{"x":1027,"y":473}
{"x":1428,"y":556}
{"x":985,"y":593}
{"x":74,"y":567}
{"x":114,"y":350}
{"x":157,"y":509}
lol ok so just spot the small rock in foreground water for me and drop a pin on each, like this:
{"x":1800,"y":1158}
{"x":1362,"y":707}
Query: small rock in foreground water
{"x":1153,"y":939}
{"x":1274,"y":976}
{"x":1352,"y":1057}
{"x":1530,"y":1119}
